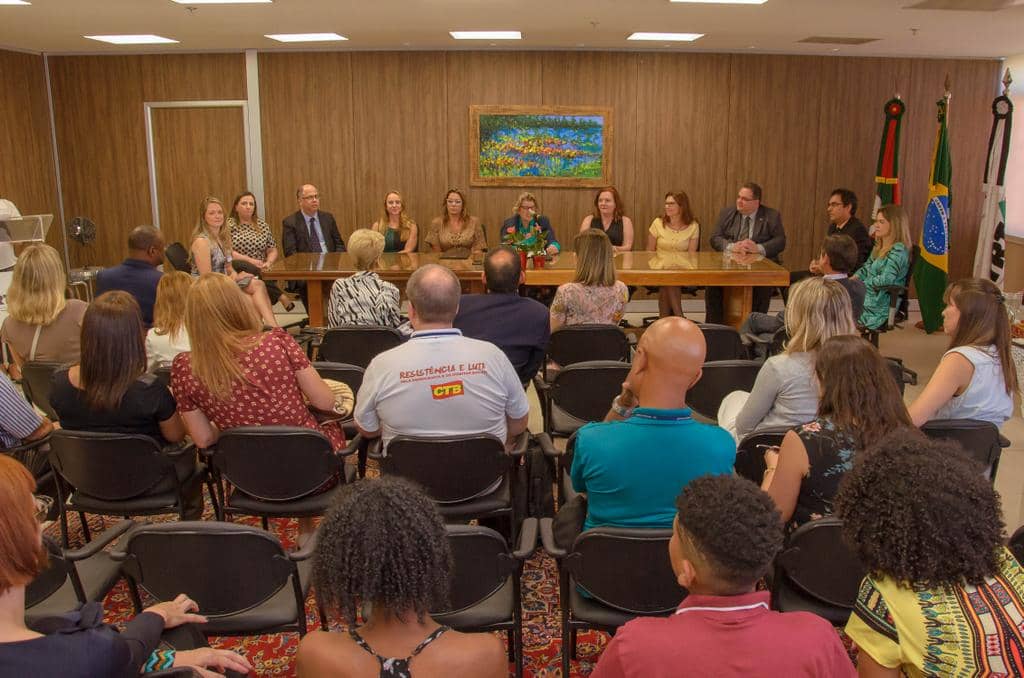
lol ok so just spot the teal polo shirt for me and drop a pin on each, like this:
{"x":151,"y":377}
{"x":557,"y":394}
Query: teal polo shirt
{"x":633,"y":470}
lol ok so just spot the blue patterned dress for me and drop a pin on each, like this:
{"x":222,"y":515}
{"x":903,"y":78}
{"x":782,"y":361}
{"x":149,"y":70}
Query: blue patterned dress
{"x":830,"y":453}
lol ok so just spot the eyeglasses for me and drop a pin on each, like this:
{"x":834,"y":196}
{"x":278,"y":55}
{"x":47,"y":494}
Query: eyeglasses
{"x":834,"y":204}
{"x":43,"y":506}
{"x":315,"y":196}
{"x":743,"y":198}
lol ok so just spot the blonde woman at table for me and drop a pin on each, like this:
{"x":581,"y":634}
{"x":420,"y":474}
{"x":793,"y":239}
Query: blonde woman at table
{"x":608,"y":217}
{"x":594,"y":296}
{"x":456,"y":228}
{"x":399,"y":230}
{"x":674,"y":231}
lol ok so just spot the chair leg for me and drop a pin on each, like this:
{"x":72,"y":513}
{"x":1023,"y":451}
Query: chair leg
{"x":567,"y":636}
{"x":133,"y":589}
{"x":573,"y":644}
{"x":85,"y":527}
{"x":266,"y":523}
{"x":511,"y":645}
{"x":218,"y":514}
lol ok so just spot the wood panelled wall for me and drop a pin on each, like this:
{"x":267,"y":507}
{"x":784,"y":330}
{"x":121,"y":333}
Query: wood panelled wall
{"x":360,"y":123}
{"x":27,"y":177}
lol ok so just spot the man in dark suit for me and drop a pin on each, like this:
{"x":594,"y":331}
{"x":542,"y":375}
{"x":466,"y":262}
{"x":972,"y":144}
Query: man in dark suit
{"x":137,"y":275}
{"x":309,"y":229}
{"x":747,"y":228}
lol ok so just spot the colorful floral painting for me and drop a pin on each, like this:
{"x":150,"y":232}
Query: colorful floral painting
{"x":531,"y":146}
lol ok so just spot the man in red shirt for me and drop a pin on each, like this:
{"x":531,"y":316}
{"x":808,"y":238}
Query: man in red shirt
{"x":726,"y":534}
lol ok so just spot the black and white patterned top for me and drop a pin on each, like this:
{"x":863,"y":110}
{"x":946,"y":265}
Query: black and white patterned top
{"x":252,"y":242}
{"x":363,"y":299}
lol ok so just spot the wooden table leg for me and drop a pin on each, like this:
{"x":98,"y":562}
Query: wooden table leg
{"x":738,"y":301}
{"x":315,"y":297}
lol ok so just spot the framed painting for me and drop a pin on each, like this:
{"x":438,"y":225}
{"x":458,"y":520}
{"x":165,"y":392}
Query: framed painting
{"x":566,"y":146}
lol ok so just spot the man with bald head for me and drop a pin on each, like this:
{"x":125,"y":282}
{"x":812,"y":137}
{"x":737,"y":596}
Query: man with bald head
{"x":633,"y":465}
{"x":440,"y":383}
{"x":137,"y":275}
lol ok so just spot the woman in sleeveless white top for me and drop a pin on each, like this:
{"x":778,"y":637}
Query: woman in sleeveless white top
{"x":975,"y":378}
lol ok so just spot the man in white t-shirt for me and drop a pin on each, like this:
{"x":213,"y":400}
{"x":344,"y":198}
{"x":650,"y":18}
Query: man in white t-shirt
{"x":440,"y":383}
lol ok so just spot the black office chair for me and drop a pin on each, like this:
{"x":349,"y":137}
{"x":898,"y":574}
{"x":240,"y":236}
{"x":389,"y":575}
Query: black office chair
{"x":356,"y":344}
{"x":36,"y":380}
{"x":816,"y":572}
{"x":163,"y":374}
{"x":980,"y":440}
{"x":279,"y":471}
{"x":178,"y":256}
{"x":1016,"y":544}
{"x":902,"y":374}
{"x":121,"y":475}
{"x":352,"y":375}
{"x":750,"y":452}
{"x":899,"y":296}
{"x":719,"y":379}
{"x":723,"y":342}
{"x":73,"y":577}
{"x":579,"y":343}
{"x":243,"y":580}
{"x":579,"y":393}
{"x":486,"y":583}
{"x":626,"y":572}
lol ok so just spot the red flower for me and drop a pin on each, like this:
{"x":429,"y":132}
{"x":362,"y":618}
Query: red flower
{"x":511,"y":229}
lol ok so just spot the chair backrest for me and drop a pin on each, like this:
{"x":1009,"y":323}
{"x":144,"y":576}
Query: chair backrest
{"x":481,"y":566}
{"x":163,"y":374}
{"x":36,"y":376}
{"x":627,"y":569}
{"x":225,"y":567}
{"x":978,"y":439}
{"x":178,"y":256}
{"x":49,"y":581}
{"x":357,"y":345}
{"x":820,"y":569}
{"x":275,"y":463}
{"x":352,"y":375}
{"x":579,"y":343}
{"x":723,"y":342}
{"x":750,"y":452}
{"x":451,"y":470}
{"x":584,"y":391}
{"x":1016,"y":544}
{"x":719,"y":379}
{"x":108,"y":466}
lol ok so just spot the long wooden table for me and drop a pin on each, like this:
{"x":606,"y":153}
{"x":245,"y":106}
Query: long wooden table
{"x":738,"y":275}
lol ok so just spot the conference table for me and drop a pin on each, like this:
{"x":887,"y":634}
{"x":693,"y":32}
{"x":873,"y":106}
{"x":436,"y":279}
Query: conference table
{"x":737,"y":274}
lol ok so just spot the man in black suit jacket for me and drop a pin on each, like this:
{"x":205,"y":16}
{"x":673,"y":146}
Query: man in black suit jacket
{"x":309,"y":229}
{"x":751,"y":228}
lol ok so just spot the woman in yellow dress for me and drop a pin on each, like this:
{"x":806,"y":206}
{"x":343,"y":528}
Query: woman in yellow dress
{"x":674,"y":231}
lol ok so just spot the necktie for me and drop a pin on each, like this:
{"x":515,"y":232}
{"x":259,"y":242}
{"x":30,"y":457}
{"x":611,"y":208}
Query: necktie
{"x":747,"y":230}
{"x":314,"y":239}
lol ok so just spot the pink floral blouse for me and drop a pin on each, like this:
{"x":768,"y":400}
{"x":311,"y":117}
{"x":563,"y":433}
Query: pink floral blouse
{"x":579,"y":304}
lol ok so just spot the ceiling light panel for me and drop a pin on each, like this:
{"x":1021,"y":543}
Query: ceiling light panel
{"x":723,"y":2}
{"x":666,"y":37}
{"x":132,"y":39}
{"x":306,"y":37}
{"x":486,"y":35}
{"x":15,"y":2}
{"x":223,"y":2}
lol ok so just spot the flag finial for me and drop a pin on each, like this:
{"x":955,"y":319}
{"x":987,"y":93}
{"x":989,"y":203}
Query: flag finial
{"x":1007,"y":80}
{"x":948,"y":84}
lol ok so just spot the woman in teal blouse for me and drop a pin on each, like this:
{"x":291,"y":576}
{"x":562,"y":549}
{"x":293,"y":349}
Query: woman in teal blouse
{"x":887,"y":264}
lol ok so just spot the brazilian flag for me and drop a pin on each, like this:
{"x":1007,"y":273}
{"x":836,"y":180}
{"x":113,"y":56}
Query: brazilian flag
{"x":932,"y":269}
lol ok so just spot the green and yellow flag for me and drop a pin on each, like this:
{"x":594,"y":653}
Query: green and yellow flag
{"x":932,"y":269}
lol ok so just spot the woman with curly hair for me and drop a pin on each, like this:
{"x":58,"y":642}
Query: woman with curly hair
{"x":383,"y":547}
{"x":943,"y":595}
{"x":859,"y":403}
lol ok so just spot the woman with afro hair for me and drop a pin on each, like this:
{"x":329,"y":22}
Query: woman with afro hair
{"x":943,"y":596}
{"x":383,"y":548}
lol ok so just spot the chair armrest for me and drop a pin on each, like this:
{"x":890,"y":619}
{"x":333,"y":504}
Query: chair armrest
{"x":527,"y":539}
{"x":375,"y":450}
{"x":547,"y":538}
{"x":521,"y":444}
{"x":352,"y":447}
{"x":547,"y":446}
{"x":306,"y":552}
{"x":909,"y":376}
{"x":181,"y":451}
{"x":29,"y":445}
{"x":100,"y":542}
{"x":1003,"y":440}
{"x":541,"y":385}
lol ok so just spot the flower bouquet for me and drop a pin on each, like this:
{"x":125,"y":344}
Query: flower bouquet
{"x":529,"y":244}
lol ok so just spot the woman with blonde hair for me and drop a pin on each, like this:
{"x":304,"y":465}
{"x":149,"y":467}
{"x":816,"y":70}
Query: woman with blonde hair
{"x":785,"y":392}
{"x":363,"y":298}
{"x":41,"y":323}
{"x":399,"y":230}
{"x":594,"y":296}
{"x":526,"y":217}
{"x":455,"y":227}
{"x":887,"y":264}
{"x":167,"y":338}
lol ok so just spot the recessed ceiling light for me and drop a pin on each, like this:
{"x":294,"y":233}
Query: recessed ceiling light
{"x":15,"y":2}
{"x":132,"y":39}
{"x":306,"y":37}
{"x":724,"y":2}
{"x":486,"y":35}
{"x":674,"y":37}
{"x":220,"y":2}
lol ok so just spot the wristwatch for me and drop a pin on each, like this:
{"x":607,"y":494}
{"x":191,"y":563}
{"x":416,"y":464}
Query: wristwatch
{"x":622,"y":411}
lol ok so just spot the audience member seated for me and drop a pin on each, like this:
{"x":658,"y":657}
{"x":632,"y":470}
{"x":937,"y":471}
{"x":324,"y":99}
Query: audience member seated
{"x":455,"y":228}
{"x":253,"y":245}
{"x":109,"y":391}
{"x":401,"y":393}
{"x":594,"y":295}
{"x":859,"y":404}
{"x":137,"y":275}
{"x":382,"y":551}
{"x":527,"y":219}
{"x":842,"y":220}
{"x":239,"y":375}
{"x":785,"y":392}
{"x":976,"y":378}
{"x":399,"y":230}
{"x":676,"y":230}
{"x":725,"y":535}
{"x":609,"y":217}
{"x":19,"y":424}
{"x":517,"y":325}
{"x":887,"y":265}
{"x":944,"y":596}
{"x":78,"y":644}
{"x":211,"y":252}
{"x":363,"y":298}
{"x":167,"y":338}
{"x":41,"y":324}
{"x":632,"y":465}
